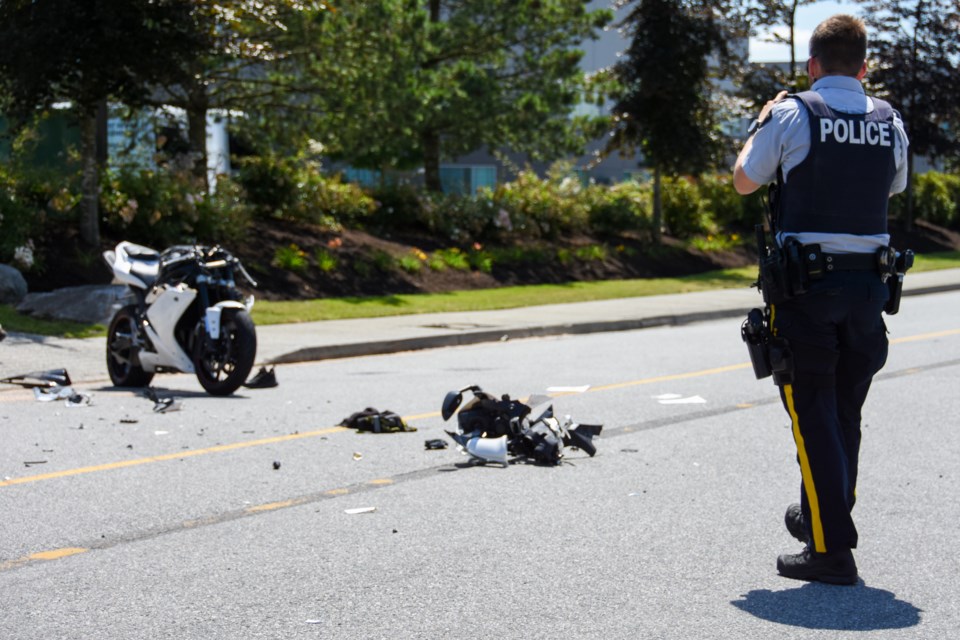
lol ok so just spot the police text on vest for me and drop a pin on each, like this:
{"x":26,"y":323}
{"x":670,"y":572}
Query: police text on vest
{"x":856,"y":132}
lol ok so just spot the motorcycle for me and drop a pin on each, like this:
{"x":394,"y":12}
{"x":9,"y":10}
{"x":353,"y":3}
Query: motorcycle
{"x":188,"y":317}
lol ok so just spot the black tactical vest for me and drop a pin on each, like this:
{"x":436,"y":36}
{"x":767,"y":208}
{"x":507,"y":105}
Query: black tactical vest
{"x":843,"y":184}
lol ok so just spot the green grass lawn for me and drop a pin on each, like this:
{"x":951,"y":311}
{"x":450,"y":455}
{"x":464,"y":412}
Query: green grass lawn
{"x":266,"y":312}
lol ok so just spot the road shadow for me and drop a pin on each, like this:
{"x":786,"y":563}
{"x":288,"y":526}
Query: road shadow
{"x":821,"y":606}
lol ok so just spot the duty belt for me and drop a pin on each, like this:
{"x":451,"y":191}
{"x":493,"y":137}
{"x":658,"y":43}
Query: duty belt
{"x":850,"y":262}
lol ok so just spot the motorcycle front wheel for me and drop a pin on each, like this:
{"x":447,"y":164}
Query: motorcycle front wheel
{"x":123,"y":363}
{"x":223,"y":365}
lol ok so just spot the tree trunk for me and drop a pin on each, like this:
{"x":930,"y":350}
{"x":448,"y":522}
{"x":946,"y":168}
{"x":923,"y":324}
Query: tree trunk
{"x":197,"y":106}
{"x":657,"y":204}
{"x":90,"y":200}
{"x":908,"y":217}
{"x":431,"y":161}
{"x":430,"y":139}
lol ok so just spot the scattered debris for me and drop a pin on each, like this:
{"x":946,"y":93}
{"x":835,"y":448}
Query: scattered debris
{"x":79,"y":400}
{"x":276,"y":465}
{"x":29,"y":463}
{"x":165,"y":404}
{"x":70,"y":397}
{"x":436,"y":443}
{"x":376,"y":421}
{"x":359,"y":510}
{"x":492,"y":429}
{"x":128,"y":421}
{"x":357,"y":455}
{"x":49,"y":378}
{"x":264,"y":379}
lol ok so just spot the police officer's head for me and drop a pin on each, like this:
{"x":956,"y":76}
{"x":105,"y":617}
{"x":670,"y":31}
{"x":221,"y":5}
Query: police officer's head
{"x":839,"y":46}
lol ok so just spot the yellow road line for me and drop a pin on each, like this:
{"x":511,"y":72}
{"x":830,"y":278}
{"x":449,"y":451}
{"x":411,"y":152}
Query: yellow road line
{"x":53,"y":554}
{"x":926,"y":336}
{"x":170,"y":456}
{"x":674,"y":376}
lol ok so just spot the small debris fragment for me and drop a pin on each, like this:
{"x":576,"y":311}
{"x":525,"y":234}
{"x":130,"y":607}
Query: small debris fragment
{"x":276,"y":465}
{"x":128,"y":421}
{"x":79,"y":400}
{"x":436,"y":443}
{"x":357,"y":455}
{"x":359,"y":510}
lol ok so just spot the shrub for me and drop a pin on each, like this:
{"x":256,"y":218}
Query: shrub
{"x":31,"y":200}
{"x":936,"y":197}
{"x":724,"y":205}
{"x":551,"y":207}
{"x":622,"y":207}
{"x":160,"y":208}
{"x":684,"y":213}
{"x":296,"y":188}
{"x":326,"y":261}
{"x":290,"y":258}
{"x":453,"y":258}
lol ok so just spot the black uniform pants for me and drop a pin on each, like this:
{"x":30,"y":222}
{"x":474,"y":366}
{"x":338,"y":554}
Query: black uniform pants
{"x":838,"y":341}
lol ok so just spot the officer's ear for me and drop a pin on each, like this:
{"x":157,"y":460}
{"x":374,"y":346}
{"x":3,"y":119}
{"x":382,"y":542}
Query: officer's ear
{"x":863,"y":71}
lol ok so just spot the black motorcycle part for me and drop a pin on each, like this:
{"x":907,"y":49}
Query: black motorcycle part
{"x":123,"y":353}
{"x":223,"y":365}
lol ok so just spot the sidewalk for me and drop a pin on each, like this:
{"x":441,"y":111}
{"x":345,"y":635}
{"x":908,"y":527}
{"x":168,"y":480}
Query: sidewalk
{"x":285,"y":343}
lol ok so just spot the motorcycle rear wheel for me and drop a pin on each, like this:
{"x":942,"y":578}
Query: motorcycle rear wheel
{"x":224,"y":364}
{"x":123,"y":365}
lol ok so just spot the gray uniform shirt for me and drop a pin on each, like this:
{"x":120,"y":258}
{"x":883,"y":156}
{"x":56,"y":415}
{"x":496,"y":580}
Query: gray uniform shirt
{"x":785,"y":140}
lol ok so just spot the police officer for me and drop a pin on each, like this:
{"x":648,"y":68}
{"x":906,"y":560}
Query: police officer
{"x":837,"y":156}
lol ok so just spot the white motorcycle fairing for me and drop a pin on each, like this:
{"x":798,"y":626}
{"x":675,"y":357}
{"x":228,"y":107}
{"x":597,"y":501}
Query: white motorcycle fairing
{"x":212,"y":316}
{"x":167,"y":305}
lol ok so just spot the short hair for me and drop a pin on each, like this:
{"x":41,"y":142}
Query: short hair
{"x":840,"y":45}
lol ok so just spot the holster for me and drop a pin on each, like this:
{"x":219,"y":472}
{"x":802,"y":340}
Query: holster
{"x":769,"y":354}
{"x":901,"y":264}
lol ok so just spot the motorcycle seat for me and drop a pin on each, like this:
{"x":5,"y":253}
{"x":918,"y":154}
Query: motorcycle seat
{"x":145,"y":266}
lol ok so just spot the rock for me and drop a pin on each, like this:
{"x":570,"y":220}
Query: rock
{"x":12,"y":285}
{"x":92,"y":303}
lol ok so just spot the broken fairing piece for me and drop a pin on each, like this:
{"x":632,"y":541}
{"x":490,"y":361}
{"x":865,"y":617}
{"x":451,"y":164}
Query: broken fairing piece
{"x":436,"y":443}
{"x":49,"y":394}
{"x":50,"y":378}
{"x":485,"y":419}
{"x":264,"y":379}
{"x":485,"y":449}
{"x":167,"y":405}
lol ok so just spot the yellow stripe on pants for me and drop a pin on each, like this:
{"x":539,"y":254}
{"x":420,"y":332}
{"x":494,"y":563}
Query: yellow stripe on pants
{"x":817,"y":524}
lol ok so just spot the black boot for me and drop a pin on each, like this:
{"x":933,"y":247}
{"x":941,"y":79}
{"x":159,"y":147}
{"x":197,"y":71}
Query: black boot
{"x":838,"y":567}
{"x":796,"y":523}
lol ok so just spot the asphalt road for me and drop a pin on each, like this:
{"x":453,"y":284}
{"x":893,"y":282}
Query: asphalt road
{"x":118,"y":522}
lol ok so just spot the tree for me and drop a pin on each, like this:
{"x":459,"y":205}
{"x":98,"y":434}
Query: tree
{"x":86,"y":52}
{"x":781,"y":12}
{"x":663,"y":107}
{"x":403,"y":83}
{"x":244,"y":43}
{"x":916,"y":66}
